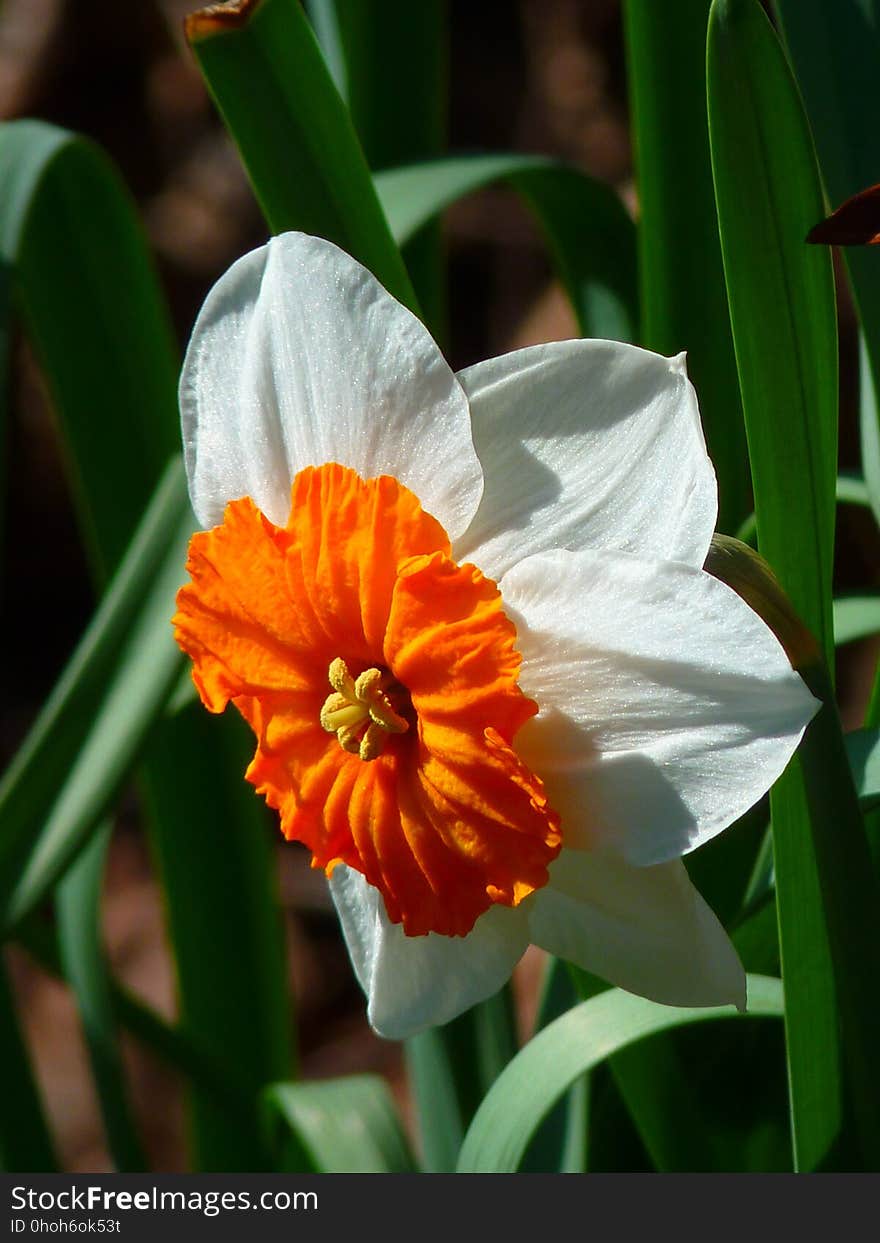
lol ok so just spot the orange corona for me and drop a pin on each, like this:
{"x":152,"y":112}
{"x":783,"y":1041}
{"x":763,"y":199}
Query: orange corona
{"x":380,"y":678}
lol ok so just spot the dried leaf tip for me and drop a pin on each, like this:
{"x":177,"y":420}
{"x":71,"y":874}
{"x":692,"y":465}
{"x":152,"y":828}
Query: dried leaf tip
{"x":217,"y":18}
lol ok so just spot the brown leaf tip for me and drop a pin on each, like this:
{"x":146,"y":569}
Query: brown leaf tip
{"x":216,"y":18}
{"x":855,"y":223}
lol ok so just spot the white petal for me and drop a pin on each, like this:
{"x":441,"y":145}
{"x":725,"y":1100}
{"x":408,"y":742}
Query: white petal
{"x":413,"y":983}
{"x":667,"y":707}
{"x":588,"y":444}
{"x":300,"y":357}
{"x":647,"y":930}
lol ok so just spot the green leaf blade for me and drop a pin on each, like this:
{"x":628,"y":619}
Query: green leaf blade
{"x":149,"y":666}
{"x":835,"y":49}
{"x":296,"y":139}
{"x":339,"y":1126}
{"x":88,"y":323}
{"x":826,"y":898}
{"x":782,"y":309}
{"x":684,"y":306}
{"x":590,"y":237}
{"x":31,"y":784}
{"x":79,"y":932}
{"x":570,"y":1046}
{"x":451,"y":1068}
{"x":782,"y":302}
{"x":856,"y":617}
{"x":68,"y":224}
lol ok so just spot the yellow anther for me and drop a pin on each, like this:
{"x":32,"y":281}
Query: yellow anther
{"x":373,"y":742}
{"x":350,"y":738}
{"x":341,"y":680}
{"x":384,"y":715}
{"x":370,"y":690}
{"x":368,"y":685}
{"x":356,"y":704}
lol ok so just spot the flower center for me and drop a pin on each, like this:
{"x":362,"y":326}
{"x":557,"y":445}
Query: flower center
{"x":360,"y":589}
{"x":359,"y":711}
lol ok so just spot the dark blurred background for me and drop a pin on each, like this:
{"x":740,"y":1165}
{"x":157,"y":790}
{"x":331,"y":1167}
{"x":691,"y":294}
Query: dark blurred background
{"x":543,"y":76}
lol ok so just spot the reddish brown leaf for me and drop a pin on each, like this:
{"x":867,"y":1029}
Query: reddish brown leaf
{"x":855,"y":223}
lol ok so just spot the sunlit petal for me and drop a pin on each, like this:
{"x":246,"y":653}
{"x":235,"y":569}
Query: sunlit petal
{"x":667,"y":707}
{"x":300,"y":357}
{"x":644,"y":929}
{"x":416,"y":982}
{"x":588,"y":444}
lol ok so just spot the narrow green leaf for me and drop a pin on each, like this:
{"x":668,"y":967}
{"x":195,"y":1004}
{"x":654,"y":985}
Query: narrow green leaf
{"x":573,"y":1044}
{"x":94,"y":310}
{"x":559,"y":1144}
{"x":863,"y":749}
{"x":388,"y":60}
{"x":30,"y":785}
{"x":327,"y":18}
{"x":757,"y":938}
{"x":413,"y":195}
{"x":869,"y":424}
{"x":721,"y":869}
{"x":781,"y":301}
{"x":337,"y":1126}
{"x":680,"y":1122}
{"x":590,"y":237}
{"x":648,"y":1077}
{"x":215,"y":848}
{"x":666,"y":1108}
{"x":856,"y":617}
{"x":835,"y":48}
{"x":782,"y":309}
{"x":71,"y":242}
{"x":450,"y":1069}
{"x":178,"y":1048}
{"x":762,"y":880}
{"x":149,"y":665}
{"x":25,"y":1143}
{"x":434,"y":1073}
{"x":870,"y":429}
{"x":380,"y":52}
{"x":863,"y":752}
{"x":682,"y":284}
{"x":265,"y":71}
{"x":495,"y":1031}
{"x":79,"y":930}
{"x":56,"y":742}
{"x":850,"y":490}
{"x":851,"y":899}
{"x":849,"y":894}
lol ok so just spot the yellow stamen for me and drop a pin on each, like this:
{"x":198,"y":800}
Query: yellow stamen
{"x":350,"y":739}
{"x":373,"y":742}
{"x":368,"y":684}
{"x":339,"y":713}
{"x":356,"y":704}
{"x":341,"y":679}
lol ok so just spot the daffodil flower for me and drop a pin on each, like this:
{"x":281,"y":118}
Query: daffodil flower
{"x":493,"y":690}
